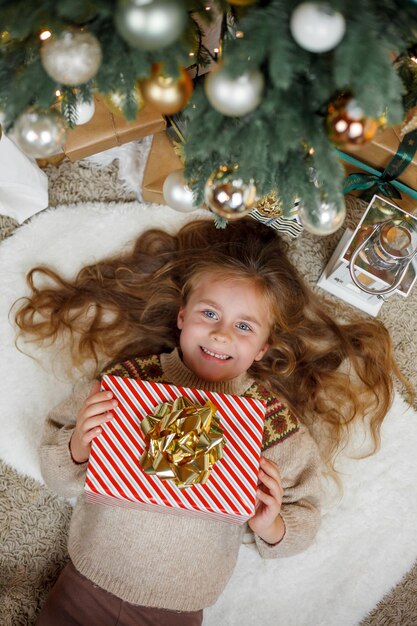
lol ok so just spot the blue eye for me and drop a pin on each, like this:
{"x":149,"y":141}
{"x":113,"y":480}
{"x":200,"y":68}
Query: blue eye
{"x":243,"y":326}
{"x":210,"y":314}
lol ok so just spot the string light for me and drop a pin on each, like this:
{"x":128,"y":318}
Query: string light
{"x":57,"y":93}
{"x":240,"y":34}
{"x":191,"y":54}
{"x":45,"y":34}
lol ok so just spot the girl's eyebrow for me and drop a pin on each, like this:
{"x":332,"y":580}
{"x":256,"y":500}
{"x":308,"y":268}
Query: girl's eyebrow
{"x":215,"y":305}
{"x":243,"y":317}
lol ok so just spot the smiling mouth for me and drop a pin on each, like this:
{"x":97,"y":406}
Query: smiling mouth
{"x":221,"y":357}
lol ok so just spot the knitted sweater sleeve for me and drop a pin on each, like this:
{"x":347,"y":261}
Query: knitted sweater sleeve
{"x":299,"y":462}
{"x":59,"y":471}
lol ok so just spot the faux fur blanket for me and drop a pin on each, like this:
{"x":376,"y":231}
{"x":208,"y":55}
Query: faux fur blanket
{"x":368,"y":538}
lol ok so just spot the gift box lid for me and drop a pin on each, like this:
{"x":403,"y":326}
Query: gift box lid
{"x":115,"y":476}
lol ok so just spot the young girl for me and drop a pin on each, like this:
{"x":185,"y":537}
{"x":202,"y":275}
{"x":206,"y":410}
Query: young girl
{"x":223,"y":310}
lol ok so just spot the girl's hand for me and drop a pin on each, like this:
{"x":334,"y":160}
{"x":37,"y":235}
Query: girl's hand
{"x":267,"y":522}
{"x":93,"y":413}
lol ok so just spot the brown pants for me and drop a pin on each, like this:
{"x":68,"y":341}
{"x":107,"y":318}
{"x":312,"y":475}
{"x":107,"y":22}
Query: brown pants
{"x":76,"y":601}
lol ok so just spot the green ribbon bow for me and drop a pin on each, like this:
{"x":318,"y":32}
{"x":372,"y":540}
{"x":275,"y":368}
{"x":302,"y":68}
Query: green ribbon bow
{"x":383,"y":183}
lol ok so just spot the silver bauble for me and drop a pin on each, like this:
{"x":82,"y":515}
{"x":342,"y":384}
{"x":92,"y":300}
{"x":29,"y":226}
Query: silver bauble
{"x":234,"y":96}
{"x":317,"y":27}
{"x":322,"y":219}
{"x":228,"y":195}
{"x":84,"y":111}
{"x":177,"y":194}
{"x":40,"y":133}
{"x":151,"y":24}
{"x":72,"y":58}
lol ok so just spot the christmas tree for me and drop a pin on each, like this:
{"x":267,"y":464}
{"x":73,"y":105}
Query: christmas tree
{"x":289,"y":82}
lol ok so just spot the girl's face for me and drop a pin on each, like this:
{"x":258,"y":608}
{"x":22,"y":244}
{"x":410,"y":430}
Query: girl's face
{"x":224,"y":327}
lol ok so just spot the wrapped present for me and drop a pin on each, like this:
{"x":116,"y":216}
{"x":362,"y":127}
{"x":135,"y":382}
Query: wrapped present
{"x":162,"y":160}
{"x":212,"y":34}
{"x":127,"y":468}
{"x":387,"y":166}
{"x":288,"y":224}
{"x":106,"y":130}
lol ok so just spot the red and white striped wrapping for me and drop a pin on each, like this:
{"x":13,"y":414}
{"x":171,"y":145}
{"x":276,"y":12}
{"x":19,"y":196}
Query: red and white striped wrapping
{"x":114,"y":474}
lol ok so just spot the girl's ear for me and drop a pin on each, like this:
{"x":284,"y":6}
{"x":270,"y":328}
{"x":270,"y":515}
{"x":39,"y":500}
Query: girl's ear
{"x":180,"y":318}
{"x":262,"y":351}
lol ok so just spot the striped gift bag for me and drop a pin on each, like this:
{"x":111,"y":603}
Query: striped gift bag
{"x":114,"y":475}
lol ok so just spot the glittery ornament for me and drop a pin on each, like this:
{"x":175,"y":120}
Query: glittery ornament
{"x":166,"y":94}
{"x":269,"y":205}
{"x":115,"y":101}
{"x":151,"y":24}
{"x":324,"y":218}
{"x":234,"y":96}
{"x":228,"y":195}
{"x":72,"y":58}
{"x":40,"y":133}
{"x":346,"y":122}
{"x":177,"y":194}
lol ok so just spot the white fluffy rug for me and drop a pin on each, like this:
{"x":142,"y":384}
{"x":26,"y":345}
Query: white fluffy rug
{"x":368,"y":539}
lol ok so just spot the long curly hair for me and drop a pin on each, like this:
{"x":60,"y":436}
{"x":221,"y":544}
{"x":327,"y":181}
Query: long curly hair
{"x":330,"y":374}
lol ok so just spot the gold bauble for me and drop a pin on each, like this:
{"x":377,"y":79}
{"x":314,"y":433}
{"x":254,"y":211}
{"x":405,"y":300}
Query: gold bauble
{"x":346,"y":122}
{"x":116,"y":100}
{"x":164,"y":93}
{"x":228,"y":195}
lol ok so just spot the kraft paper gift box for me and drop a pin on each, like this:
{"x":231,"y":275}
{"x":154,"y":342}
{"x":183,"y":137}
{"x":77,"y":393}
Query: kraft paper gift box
{"x":106,"y":130}
{"x":162,"y":160}
{"x":377,"y":154}
{"x":115,"y":476}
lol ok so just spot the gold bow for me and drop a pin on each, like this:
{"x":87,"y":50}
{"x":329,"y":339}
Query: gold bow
{"x":183,"y":441}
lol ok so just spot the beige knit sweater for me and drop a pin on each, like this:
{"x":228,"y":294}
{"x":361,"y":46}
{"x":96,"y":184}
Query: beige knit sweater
{"x":164,"y":560}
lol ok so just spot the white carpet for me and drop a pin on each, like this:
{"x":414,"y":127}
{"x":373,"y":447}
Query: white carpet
{"x":367,"y":541}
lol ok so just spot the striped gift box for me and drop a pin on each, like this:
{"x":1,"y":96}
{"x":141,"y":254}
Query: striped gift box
{"x":114,"y":475}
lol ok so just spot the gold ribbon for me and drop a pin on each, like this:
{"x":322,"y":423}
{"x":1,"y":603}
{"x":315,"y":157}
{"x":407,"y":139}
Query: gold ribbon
{"x":183,"y":440}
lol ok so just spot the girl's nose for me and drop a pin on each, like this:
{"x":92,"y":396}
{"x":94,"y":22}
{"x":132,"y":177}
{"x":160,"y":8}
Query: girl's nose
{"x":220,"y":334}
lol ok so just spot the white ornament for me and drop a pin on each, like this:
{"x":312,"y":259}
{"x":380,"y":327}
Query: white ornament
{"x":316,"y":27}
{"x":40,"y":133}
{"x":84,"y":111}
{"x":323,"y":219}
{"x":72,"y":58}
{"x":177,"y":194}
{"x":150,"y":24}
{"x":231,"y":96}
